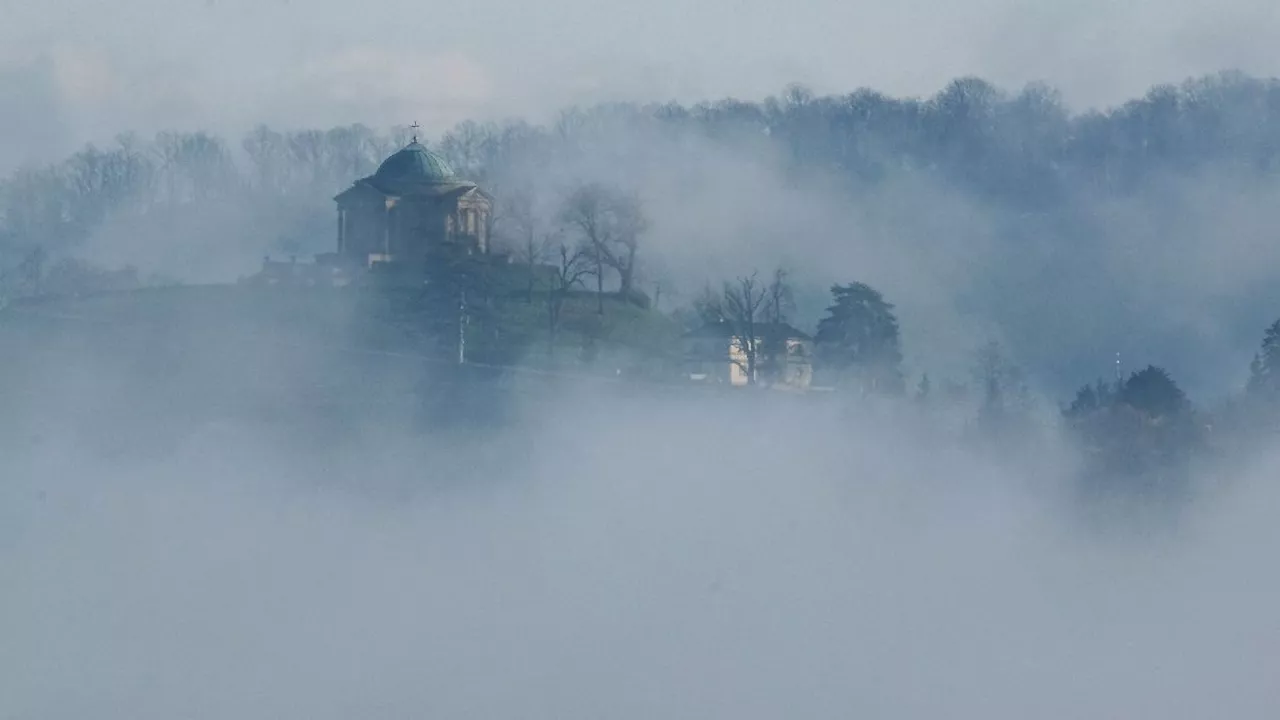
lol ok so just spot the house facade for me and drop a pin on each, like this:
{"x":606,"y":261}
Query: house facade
{"x":720,"y":353}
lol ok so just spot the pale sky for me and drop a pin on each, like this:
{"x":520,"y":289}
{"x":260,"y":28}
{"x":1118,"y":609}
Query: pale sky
{"x":77,"y":70}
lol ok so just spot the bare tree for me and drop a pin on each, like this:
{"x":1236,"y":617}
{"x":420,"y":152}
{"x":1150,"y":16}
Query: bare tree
{"x":744,"y":305}
{"x":264,"y":147}
{"x":195,"y":166}
{"x":708,"y":305}
{"x":573,"y":266}
{"x":621,"y":255}
{"x":660,"y":278}
{"x":778,"y":306}
{"x":308,"y":152}
{"x":398,"y":137}
{"x":585,"y":211}
{"x":781,"y":298}
{"x":610,"y":223}
{"x":530,"y":242}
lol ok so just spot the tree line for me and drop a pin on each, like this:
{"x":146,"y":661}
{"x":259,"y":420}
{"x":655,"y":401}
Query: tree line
{"x":1024,"y":150}
{"x":562,"y":210}
{"x":1139,"y":434}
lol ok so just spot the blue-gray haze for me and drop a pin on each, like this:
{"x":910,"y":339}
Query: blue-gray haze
{"x":186,"y":531}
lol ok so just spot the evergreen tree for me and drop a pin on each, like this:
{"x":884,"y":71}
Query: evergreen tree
{"x":1254,"y":415}
{"x":1264,"y":372}
{"x":1153,"y":392}
{"x":858,"y":342}
{"x":1140,"y":434}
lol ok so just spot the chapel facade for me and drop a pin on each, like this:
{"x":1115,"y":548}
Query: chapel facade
{"x":411,"y":208}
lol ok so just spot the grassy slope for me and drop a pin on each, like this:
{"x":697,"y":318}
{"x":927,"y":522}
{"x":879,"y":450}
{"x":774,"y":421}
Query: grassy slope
{"x":137,"y":370}
{"x":510,"y":330}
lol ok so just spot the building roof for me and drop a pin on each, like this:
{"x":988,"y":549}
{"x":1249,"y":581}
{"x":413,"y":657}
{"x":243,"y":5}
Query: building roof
{"x":459,"y":187}
{"x":414,"y":164}
{"x":725,"y":329}
{"x":413,"y":170}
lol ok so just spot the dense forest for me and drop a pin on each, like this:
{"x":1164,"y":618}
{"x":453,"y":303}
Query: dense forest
{"x":986,"y":216}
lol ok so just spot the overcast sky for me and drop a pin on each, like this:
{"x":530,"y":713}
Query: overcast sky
{"x":74,"y":70}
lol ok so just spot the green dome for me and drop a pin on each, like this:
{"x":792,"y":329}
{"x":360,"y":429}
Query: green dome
{"x":413,"y":165}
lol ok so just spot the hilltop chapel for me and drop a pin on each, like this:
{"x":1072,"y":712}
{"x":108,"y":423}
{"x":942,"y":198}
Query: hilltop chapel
{"x":413,"y":206}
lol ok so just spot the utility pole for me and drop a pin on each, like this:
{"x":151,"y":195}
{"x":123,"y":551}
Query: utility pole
{"x":462,"y":328}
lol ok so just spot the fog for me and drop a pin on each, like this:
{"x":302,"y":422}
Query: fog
{"x":83,"y":70}
{"x":599,"y":555}
{"x":225,"y":501}
{"x":1177,"y":269}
